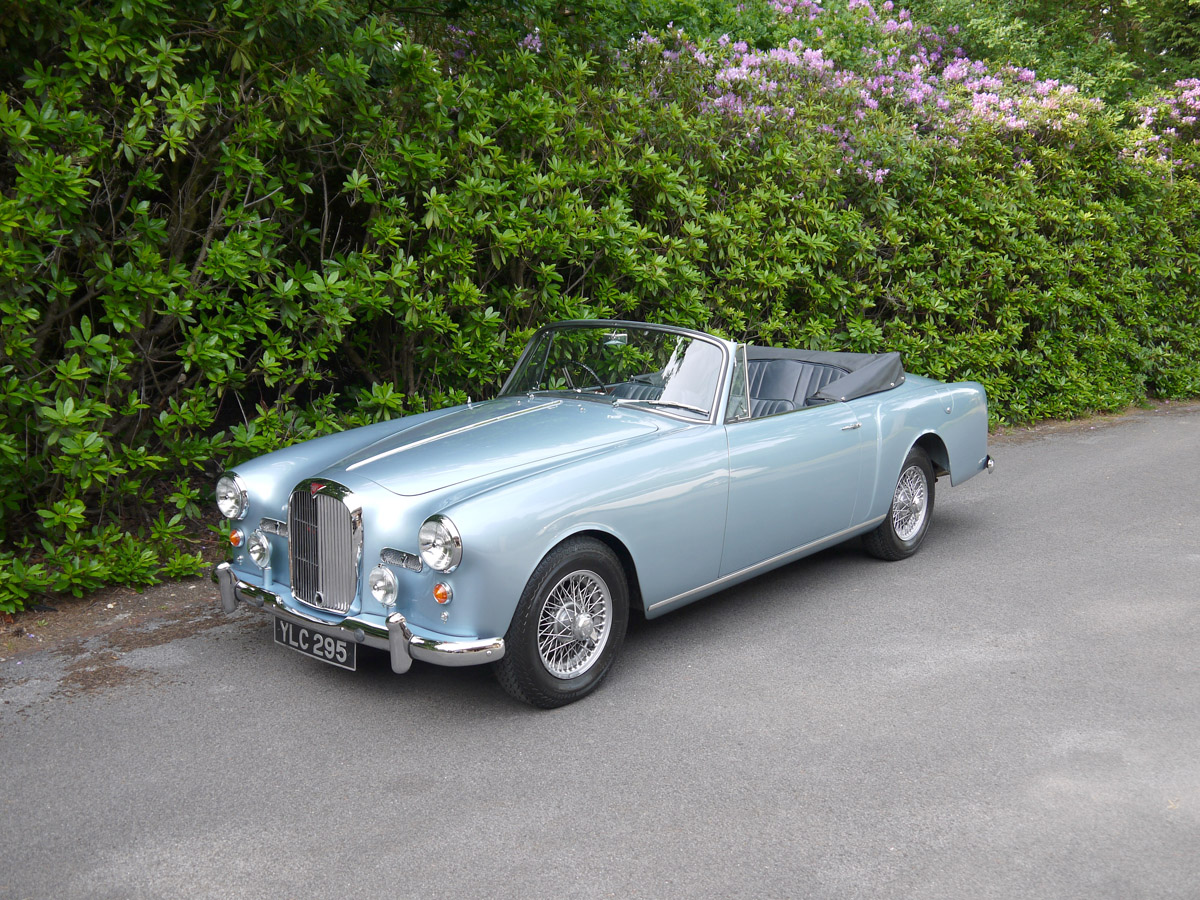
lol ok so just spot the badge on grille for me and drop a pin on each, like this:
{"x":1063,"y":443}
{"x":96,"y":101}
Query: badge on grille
{"x":314,"y":487}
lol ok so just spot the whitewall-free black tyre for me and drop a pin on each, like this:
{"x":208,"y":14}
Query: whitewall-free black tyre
{"x":908,"y":517}
{"x":568,"y":627}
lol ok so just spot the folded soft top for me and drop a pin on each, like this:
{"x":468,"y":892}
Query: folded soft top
{"x":866,"y":373}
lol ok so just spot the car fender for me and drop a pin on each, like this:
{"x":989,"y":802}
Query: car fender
{"x":663,"y":500}
{"x":953,"y":414}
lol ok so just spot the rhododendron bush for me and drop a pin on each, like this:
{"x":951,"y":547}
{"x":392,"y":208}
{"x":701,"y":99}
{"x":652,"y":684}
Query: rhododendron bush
{"x":228,"y":226}
{"x":1000,"y":224}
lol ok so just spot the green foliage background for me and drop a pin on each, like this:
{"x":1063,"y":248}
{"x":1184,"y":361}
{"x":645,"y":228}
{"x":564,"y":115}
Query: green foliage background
{"x":228,"y":225}
{"x":1113,"y":50}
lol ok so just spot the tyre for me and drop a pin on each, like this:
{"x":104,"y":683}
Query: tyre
{"x":908,"y":518}
{"x":568,"y":627}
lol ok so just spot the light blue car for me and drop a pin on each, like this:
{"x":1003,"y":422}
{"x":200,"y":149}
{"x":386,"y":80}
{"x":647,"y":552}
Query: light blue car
{"x":622,"y":465}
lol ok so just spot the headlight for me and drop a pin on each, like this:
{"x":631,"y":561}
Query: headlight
{"x":232,"y":498}
{"x":259,"y":548}
{"x":383,"y":585}
{"x":440,"y":544}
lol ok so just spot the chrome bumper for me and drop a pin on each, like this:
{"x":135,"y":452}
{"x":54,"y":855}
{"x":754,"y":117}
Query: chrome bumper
{"x":397,"y":638}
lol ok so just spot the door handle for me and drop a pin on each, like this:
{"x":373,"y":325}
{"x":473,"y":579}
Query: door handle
{"x":852,"y":427}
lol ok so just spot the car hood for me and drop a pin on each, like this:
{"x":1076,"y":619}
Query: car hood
{"x":480,"y":440}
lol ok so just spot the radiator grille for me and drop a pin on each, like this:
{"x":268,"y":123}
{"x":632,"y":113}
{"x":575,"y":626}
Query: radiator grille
{"x":323,"y":551}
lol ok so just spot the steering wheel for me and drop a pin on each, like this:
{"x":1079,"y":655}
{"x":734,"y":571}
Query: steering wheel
{"x":571,"y":384}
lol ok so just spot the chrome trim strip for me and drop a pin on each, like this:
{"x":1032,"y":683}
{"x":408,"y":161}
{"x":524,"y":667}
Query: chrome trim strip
{"x":767,"y":563}
{"x":452,"y":433}
{"x":664,"y":411}
{"x":395,"y":636}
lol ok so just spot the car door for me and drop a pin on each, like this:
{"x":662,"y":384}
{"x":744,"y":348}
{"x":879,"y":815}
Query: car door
{"x":794,"y":480}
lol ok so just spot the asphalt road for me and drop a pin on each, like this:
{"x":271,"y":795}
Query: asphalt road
{"x":1013,"y":713}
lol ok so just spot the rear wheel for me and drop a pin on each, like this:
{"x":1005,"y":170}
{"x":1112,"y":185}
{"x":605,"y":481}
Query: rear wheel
{"x":568,"y":627}
{"x":907,"y":522}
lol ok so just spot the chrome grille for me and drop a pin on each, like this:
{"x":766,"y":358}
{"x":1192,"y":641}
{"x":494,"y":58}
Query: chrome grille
{"x":323,"y":550}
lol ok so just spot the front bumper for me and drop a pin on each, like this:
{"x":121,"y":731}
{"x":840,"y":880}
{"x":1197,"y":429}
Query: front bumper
{"x":395,"y":636}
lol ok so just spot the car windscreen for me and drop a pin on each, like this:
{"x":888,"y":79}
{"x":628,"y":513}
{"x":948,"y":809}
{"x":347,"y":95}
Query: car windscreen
{"x":668,"y":371}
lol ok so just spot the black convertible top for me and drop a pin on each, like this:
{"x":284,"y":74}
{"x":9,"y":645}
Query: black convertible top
{"x":858,"y":374}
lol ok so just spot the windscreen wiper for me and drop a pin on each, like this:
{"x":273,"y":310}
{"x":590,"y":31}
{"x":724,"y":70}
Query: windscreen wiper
{"x":633,"y":401}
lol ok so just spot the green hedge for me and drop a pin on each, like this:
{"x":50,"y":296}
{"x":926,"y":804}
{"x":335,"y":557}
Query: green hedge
{"x":228,"y":226}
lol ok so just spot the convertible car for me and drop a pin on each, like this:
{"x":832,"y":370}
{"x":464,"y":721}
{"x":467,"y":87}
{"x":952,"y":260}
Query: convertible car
{"x":622,"y":465}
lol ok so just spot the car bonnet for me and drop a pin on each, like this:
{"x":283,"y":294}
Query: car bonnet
{"x":487,"y":438}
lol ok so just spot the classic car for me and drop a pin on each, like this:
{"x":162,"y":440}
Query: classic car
{"x":622,"y":467}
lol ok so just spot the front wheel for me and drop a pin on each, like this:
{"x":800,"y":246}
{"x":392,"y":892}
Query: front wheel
{"x":907,"y":522}
{"x":568,"y":627}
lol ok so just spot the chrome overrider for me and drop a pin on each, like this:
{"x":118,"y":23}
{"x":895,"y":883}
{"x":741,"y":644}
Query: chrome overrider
{"x":397,"y":638}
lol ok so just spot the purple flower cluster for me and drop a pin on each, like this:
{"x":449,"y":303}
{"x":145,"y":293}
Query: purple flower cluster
{"x":1168,"y":121}
{"x":803,"y":7}
{"x":907,"y":73}
{"x":532,"y":42}
{"x":758,"y":71}
{"x":1174,"y":116}
{"x":461,"y":42}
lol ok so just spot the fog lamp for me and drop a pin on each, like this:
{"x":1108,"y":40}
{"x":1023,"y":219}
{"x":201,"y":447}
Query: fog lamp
{"x":383,"y":585}
{"x":259,"y":548}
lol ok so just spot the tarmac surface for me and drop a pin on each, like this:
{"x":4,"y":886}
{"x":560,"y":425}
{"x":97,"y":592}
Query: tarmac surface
{"x":1012,"y":713}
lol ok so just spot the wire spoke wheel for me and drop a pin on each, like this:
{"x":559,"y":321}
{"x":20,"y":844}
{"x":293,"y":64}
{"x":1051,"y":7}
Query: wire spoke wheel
{"x":904,"y":527}
{"x":573,"y":625}
{"x":568,"y":626}
{"x":909,"y":503}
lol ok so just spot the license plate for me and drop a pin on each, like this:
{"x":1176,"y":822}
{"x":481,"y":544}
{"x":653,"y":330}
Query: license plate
{"x":310,"y":642}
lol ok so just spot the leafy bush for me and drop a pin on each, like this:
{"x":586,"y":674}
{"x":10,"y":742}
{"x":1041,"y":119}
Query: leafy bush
{"x":1111,"y":50}
{"x":226,"y":226}
{"x":174,"y":197}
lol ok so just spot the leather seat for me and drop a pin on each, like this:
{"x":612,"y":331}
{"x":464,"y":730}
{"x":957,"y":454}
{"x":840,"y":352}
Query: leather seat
{"x":636,"y":390}
{"x":782,"y":385}
{"x":759,"y":408}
